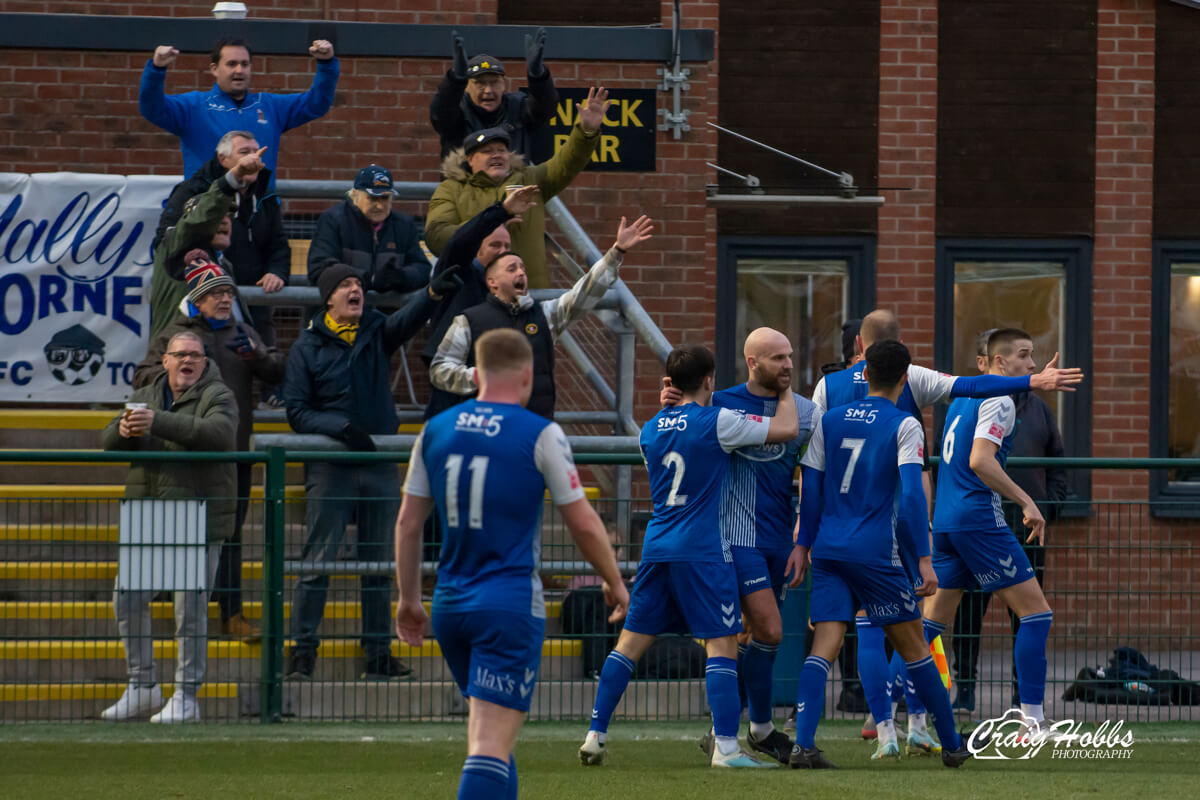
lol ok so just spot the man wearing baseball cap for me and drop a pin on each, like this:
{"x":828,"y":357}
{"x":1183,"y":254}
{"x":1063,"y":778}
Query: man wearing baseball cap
{"x":486,"y":169}
{"x":364,"y":232}
{"x":474,"y":96}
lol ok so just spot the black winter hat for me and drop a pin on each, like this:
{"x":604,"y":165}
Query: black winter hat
{"x":332,"y":276}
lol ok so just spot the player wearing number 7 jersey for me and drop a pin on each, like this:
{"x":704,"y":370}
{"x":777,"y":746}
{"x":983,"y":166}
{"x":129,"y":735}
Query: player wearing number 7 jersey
{"x":686,"y":581}
{"x":486,"y":464}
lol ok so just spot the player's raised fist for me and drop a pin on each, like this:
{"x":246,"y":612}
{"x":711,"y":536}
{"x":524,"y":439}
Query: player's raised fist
{"x":321,"y":50}
{"x":164,"y":55}
{"x":1054,"y":379}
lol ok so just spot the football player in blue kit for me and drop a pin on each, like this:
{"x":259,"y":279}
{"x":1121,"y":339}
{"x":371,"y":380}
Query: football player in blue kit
{"x":686,"y":580}
{"x":757,"y":516}
{"x":486,"y":465}
{"x":972,"y":542}
{"x":923,"y":388}
{"x":862,"y":505}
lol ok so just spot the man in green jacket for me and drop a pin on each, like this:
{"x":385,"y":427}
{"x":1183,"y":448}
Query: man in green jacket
{"x":185,"y":408}
{"x":477,"y":175}
{"x":205,"y":225}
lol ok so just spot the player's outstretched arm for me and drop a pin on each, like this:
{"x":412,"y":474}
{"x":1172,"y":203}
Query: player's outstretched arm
{"x":785,"y":425}
{"x":587,"y":529}
{"x":913,"y":525}
{"x":985,"y":465}
{"x":410,"y":611}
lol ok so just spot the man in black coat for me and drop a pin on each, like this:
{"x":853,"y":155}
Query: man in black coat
{"x":364,"y":232}
{"x":258,"y":253}
{"x":473,"y":96}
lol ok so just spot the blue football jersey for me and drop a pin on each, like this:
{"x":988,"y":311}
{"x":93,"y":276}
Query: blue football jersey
{"x":487,"y":467}
{"x":757,"y":509}
{"x":964,"y":502}
{"x":860,"y":448}
{"x":686,"y":449}
{"x":846,"y":386}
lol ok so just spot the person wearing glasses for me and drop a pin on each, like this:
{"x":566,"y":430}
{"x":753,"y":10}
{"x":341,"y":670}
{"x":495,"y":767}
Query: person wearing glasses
{"x":186,"y":407}
{"x":241,"y":355}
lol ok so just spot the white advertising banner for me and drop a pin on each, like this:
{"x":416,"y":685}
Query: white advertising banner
{"x":75,"y":265}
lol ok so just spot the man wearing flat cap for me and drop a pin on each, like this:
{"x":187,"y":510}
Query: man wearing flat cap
{"x":473,"y":96}
{"x":485,"y":169}
{"x":365,"y":232}
{"x":338,"y":383}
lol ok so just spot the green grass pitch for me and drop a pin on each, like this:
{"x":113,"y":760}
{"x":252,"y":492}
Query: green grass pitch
{"x":658,"y":761}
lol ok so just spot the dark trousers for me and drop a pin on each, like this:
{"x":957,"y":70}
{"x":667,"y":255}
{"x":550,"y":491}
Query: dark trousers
{"x":338,"y":493}
{"x":227,"y":588}
{"x":969,"y":621}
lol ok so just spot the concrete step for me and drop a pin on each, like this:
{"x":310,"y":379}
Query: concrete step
{"x":82,"y":619}
{"x":36,"y":702}
{"x":83,"y":660}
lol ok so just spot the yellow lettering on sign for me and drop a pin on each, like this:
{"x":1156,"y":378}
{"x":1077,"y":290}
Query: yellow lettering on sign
{"x":628,"y":113}
{"x":606,"y":151}
{"x":565,"y":113}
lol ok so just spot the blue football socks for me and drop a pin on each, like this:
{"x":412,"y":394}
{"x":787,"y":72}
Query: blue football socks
{"x":720,"y":675}
{"x":1029,"y":652}
{"x":873,"y":668}
{"x":757,"y":671}
{"x":614,"y":677}
{"x":483,"y":776}
{"x":810,"y":700}
{"x":928,"y":683}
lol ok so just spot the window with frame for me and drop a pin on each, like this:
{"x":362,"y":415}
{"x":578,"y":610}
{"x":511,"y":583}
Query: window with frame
{"x":1175,"y":367}
{"x":1043,"y":287}
{"x":804,"y":288}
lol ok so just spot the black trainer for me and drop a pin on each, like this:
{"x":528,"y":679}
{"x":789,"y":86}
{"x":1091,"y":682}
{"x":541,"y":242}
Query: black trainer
{"x":956,"y":758}
{"x":300,"y":665}
{"x":775,"y":744}
{"x":708,"y":743}
{"x":809,"y":758}
{"x":852,"y":700}
{"x":386,"y":668}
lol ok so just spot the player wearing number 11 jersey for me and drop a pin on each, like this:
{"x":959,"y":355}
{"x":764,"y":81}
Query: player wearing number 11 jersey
{"x":686,"y":581}
{"x":486,"y":464}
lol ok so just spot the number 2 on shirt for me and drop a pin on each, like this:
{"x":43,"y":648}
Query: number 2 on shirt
{"x":674,"y":460}
{"x":478,"y":468}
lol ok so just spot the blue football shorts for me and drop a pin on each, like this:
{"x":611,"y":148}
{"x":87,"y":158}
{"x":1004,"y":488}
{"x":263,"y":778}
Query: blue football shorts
{"x":493,"y":655}
{"x":759,"y":568}
{"x":685,"y":597}
{"x":841,"y":588}
{"x":993,"y":560}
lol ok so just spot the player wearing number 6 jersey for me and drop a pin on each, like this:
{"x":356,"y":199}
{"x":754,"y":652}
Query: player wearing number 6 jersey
{"x":971,"y":540}
{"x":686,"y":580}
{"x":862,"y":504}
{"x":486,"y":465}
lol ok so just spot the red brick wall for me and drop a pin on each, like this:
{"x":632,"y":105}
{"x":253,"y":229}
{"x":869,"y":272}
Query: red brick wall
{"x":435,"y":12}
{"x":908,"y":157}
{"x":1123,"y":242}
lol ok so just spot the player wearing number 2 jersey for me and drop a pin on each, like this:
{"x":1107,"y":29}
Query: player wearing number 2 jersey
{"x":485,"y":465}
{"x":686,"y":580}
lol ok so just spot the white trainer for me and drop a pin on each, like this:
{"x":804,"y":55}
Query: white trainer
{"x":592,"y":753}
{"x":136,"y":701}
{"x":182,"y":707}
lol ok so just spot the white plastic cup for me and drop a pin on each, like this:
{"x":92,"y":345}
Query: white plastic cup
{"x":130,"y":407}
{"x":229,"y":11}
{"x":515,"y":187}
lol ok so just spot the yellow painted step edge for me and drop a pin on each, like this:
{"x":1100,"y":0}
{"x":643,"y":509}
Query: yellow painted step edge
{"x":111,"y":649}
{"x":78,"y":610}
{"x":33,"y":692}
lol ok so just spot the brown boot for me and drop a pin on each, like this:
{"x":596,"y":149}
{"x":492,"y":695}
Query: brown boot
{"x":238,"y":627}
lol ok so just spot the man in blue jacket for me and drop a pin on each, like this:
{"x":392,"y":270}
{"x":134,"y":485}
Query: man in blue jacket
{"x":200,"y":119}
{"x":338,"y":383}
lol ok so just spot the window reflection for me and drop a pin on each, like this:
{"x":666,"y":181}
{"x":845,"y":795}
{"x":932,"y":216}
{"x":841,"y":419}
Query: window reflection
{"x":804,"y":298}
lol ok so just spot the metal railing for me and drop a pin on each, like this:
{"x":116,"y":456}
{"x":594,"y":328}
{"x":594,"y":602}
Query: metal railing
{"x":1117,"y":576}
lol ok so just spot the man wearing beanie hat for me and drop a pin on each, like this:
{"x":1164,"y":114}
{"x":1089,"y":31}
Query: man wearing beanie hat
{"x":479,"y":175}
{"x":473,"y":96}
{"x":338,"y":383}
{"x":210,"y":312}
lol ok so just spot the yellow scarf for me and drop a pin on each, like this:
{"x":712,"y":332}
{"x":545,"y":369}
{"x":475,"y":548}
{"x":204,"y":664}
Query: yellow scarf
{"x":346,"y":332}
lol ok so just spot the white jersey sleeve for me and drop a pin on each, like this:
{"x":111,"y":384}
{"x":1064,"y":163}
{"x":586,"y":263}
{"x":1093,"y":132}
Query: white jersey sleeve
{"x":814,"y":456}
{"x":997,"y":418}
{"x":820,"y":398}
{"x":416,"y":482}
{"x":927,"y":386}
{"x":910,"y":442}
{"x":554,"y":460}
{"x":735,"y":429}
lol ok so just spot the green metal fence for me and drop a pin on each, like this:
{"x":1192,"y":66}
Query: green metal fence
{"x":1116,"y":574}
